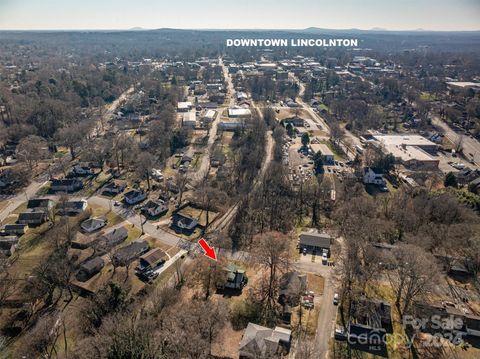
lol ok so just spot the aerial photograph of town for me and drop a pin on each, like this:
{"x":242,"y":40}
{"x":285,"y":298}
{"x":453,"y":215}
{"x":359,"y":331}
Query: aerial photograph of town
{"x":253,"y":180}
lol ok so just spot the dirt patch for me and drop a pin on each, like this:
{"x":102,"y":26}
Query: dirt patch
{"x":315,"y":283}
{"x":226,"y":343}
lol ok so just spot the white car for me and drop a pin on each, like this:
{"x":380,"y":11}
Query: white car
{"x":335,"y":299}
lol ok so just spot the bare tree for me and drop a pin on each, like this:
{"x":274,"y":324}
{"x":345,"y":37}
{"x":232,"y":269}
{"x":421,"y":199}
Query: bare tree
{"x":272,"y":253}
{"x":414,"y":273}
{"x":144,"y":165}
{"x":32,"y":149}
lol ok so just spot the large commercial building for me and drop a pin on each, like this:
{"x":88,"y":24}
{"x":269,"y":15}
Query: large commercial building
{"x":413,"y":151}
{"x":239,"y":112}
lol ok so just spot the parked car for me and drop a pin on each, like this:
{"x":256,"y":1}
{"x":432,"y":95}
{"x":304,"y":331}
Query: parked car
{"x":335,"y":299}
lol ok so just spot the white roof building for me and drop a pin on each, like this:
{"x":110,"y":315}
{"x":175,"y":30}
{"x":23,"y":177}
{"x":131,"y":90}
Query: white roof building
{"x":184,"y":106}
{"x":189,"y":119}
{"x":239,"y":112}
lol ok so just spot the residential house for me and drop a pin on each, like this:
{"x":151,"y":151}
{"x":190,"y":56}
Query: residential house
{"x":32,"y":218}
{"x":296,"y":121}
{"x":127,"y":254}
{"x":113,"y":188}
{"x":234,"y":278}
{"x":373,"y":176}
{"x":72,"y":207}
{"x":154,"y":208}
{"x":93,"y":224}
{"x":370,"y":321}
{"x":134,"y":196}
{"x":315,"y":242}
{"x":292,"y":286}
{"x":66,"y":185}
{"x":40,"y":205}
{"x":8,"y":245}
{"x":81,"y":171}
{"x":152,"y":259}
{"x":103,"y":242}
{"x":89,"y":268}
{"x":183,"y":224}
{"x":14,"y":229}
{"x":262,"y":342}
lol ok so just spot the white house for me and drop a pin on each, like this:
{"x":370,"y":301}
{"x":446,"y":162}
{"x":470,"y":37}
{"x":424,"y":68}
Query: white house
{"x":93,"y":224}
{"x":154,"y":208}
{"x":373,"y":176}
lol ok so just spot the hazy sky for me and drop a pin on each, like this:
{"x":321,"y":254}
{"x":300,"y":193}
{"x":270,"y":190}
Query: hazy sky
{"x":227,"y":14}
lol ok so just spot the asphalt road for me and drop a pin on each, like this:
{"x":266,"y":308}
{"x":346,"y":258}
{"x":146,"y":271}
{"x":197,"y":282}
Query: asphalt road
{"x":471,"y":146}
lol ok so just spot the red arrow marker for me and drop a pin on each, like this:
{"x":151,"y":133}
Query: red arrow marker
{"x":209,"y":251}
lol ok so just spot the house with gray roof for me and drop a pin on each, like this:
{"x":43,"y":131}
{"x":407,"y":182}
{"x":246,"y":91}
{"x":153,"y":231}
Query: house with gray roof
{"x":315,"y":242}
{"x":262,"y":342}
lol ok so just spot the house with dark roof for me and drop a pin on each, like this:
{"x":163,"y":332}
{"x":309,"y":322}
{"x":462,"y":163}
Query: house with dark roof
{"x":14,"y":229}
{"x":314,"y":242}
{"x":81,"y":171}
{"x":154,"y":208}
{"x":183,"y":223}
{"x":134,"y":196}
{"x":93,"y":224}
{"x":234,"y":278}
{"x":89,"y":268}
{"x":292,"y":286}
{"x":72,"y":207}
{"x":454,"y":321}
{"x":152,"y":259}
{"x":105,"y":242}
{"x":295,"y":121}
{"x":32,"y":218}
{"x":115,"y":187}
{"x":39,"y":204}
{"x":66,"y":185}
{"x":262,"y":342}
{"x":370,"y":321}
{"x":126,"y":255}
{"x":8,"y":245}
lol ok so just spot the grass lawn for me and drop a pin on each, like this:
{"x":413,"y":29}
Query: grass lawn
{"x":20,"y":209}
{"x":336,"y":154}
{"x":112,"y":217}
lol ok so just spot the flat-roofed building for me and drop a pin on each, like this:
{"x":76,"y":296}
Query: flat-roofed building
{"x":239,"y":112}
{"x":189,"y":119}
{"x":209,"y":116}
{"x":463,"y":85}
{"x":184,"y":106}
{"x":413,"y":151}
